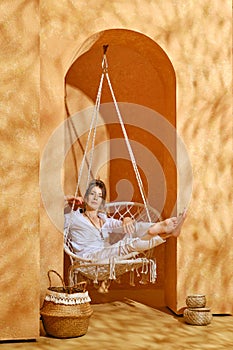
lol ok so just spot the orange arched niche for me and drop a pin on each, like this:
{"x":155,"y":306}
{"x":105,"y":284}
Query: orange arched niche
{"x":141,"y":74}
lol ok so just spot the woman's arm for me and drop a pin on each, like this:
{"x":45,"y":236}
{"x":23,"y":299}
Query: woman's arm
{"x":126,"y":225}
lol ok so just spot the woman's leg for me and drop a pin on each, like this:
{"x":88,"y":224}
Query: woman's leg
{"x":155,"y":235}
{"x":103,"y":288}
{"x":125,"y":246}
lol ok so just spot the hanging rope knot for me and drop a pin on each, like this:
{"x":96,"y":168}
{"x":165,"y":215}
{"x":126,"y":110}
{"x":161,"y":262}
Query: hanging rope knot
{"x":104,"y":62}
{"x":105,"y":47}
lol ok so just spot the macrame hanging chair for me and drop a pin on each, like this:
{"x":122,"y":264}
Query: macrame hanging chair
{"x":141,"y":264}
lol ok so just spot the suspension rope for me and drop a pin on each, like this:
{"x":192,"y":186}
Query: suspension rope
{"x":93,"y":127}
{"x":93,"y":122}
{"x":132,"y":157}
{"x":148,"y":266}
{"x":94,"y":132}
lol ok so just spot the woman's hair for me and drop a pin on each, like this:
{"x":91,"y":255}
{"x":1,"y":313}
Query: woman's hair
{"x":101,"y":185}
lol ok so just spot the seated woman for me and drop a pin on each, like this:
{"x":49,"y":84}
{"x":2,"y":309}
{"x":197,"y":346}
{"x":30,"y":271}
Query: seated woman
{"x":89,"y":228}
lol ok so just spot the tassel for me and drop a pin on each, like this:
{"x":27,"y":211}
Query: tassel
{"x":153,"y":272}
{"x":112,"y":265}
{"x":144,"y":271}
{"x":131,"y":276}
{"x":96,"y":275}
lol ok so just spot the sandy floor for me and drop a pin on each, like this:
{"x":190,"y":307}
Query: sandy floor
{"x":131,"y":325}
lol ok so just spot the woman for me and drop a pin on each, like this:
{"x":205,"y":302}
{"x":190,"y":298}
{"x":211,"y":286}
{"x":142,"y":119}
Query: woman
{"x":90,"y":228}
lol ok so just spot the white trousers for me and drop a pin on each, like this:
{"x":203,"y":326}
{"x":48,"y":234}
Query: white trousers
{"x":128,"y":244}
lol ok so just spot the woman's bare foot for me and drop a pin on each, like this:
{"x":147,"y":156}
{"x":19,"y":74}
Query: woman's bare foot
{"x":165,"y":226}
{"x":168,"y":227}
{"x":180,"y":221}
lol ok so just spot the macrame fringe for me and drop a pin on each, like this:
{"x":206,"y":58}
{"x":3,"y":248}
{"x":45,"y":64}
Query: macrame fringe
{"x":112,"y":268}
{"x":153,"y":271}
{"x":96,"y":275}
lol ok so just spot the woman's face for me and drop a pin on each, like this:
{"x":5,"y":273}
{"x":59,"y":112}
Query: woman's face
{"x":94,"y":198}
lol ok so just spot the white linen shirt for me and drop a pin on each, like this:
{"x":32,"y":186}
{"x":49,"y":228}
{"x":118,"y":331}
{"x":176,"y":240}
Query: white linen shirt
{"x":85,"y":238}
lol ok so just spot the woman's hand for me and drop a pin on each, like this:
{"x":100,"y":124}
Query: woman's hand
{"x":128,"y":225}
{"x":69,"y":200}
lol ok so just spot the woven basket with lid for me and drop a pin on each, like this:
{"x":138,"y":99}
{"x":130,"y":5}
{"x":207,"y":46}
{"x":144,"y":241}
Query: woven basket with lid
{"x":198,"y":316}
{"x":66,"y":310}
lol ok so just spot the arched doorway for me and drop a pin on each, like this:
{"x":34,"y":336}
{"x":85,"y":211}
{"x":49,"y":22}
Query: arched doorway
{"x":143,"y":80}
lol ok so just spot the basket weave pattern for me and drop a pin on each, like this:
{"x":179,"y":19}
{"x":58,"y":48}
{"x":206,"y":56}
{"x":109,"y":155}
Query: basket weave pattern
{"x":65,"y":312}
{"x":65,"y":321}
{"x":198,"y":316}
{"x":196,"y":313}
{"x":197,"y":300}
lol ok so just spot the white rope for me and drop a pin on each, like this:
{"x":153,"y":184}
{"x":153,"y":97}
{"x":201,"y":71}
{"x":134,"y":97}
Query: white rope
{"x":97,"y":107}
{"x":145,"y":266}
{"x":112,"y":268}
{"x":92,"y":130}
{"x":96,"y":274}
{"x":138,"y":177}
{"x":153,"y":272}
{"x":93,"y":122}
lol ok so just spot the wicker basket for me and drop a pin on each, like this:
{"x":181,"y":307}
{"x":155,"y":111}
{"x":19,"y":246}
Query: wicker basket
{"x":66,"y":310}
{"x":196,"y":300}
{"x":198,"y":316}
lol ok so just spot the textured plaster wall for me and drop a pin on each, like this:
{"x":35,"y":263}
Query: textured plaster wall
{"x":19,"y":170}
{"x":196,"y":35}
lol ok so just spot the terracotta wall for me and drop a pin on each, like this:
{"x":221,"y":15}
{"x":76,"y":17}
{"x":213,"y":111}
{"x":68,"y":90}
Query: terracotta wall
{"x":192,"y":34}
{"x":19,"y":171}
{"x":143,"y":82}
{"x":202,"y":66}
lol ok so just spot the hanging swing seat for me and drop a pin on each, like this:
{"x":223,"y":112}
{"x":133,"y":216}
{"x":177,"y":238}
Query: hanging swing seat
{"x":111,"y":269}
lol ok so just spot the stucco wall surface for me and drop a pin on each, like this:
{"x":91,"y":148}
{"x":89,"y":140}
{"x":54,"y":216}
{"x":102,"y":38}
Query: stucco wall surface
{"x":196,"y":35}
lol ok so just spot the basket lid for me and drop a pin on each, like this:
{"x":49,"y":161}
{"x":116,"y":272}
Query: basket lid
{"x":204,"y":309}
{"x":196,"y":296}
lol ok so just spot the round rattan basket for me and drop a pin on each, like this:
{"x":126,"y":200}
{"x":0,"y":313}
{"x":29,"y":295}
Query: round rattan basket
{"x":66,"y":310}
{"x":196,"y":300}
{"x":198,"y":316}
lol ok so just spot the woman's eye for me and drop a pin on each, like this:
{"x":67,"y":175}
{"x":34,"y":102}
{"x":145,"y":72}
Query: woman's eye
{"x":96,"y":194}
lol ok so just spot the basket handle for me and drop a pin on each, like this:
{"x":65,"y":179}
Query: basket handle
{"x":50,"y":282}
{"x":83,"y":283}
